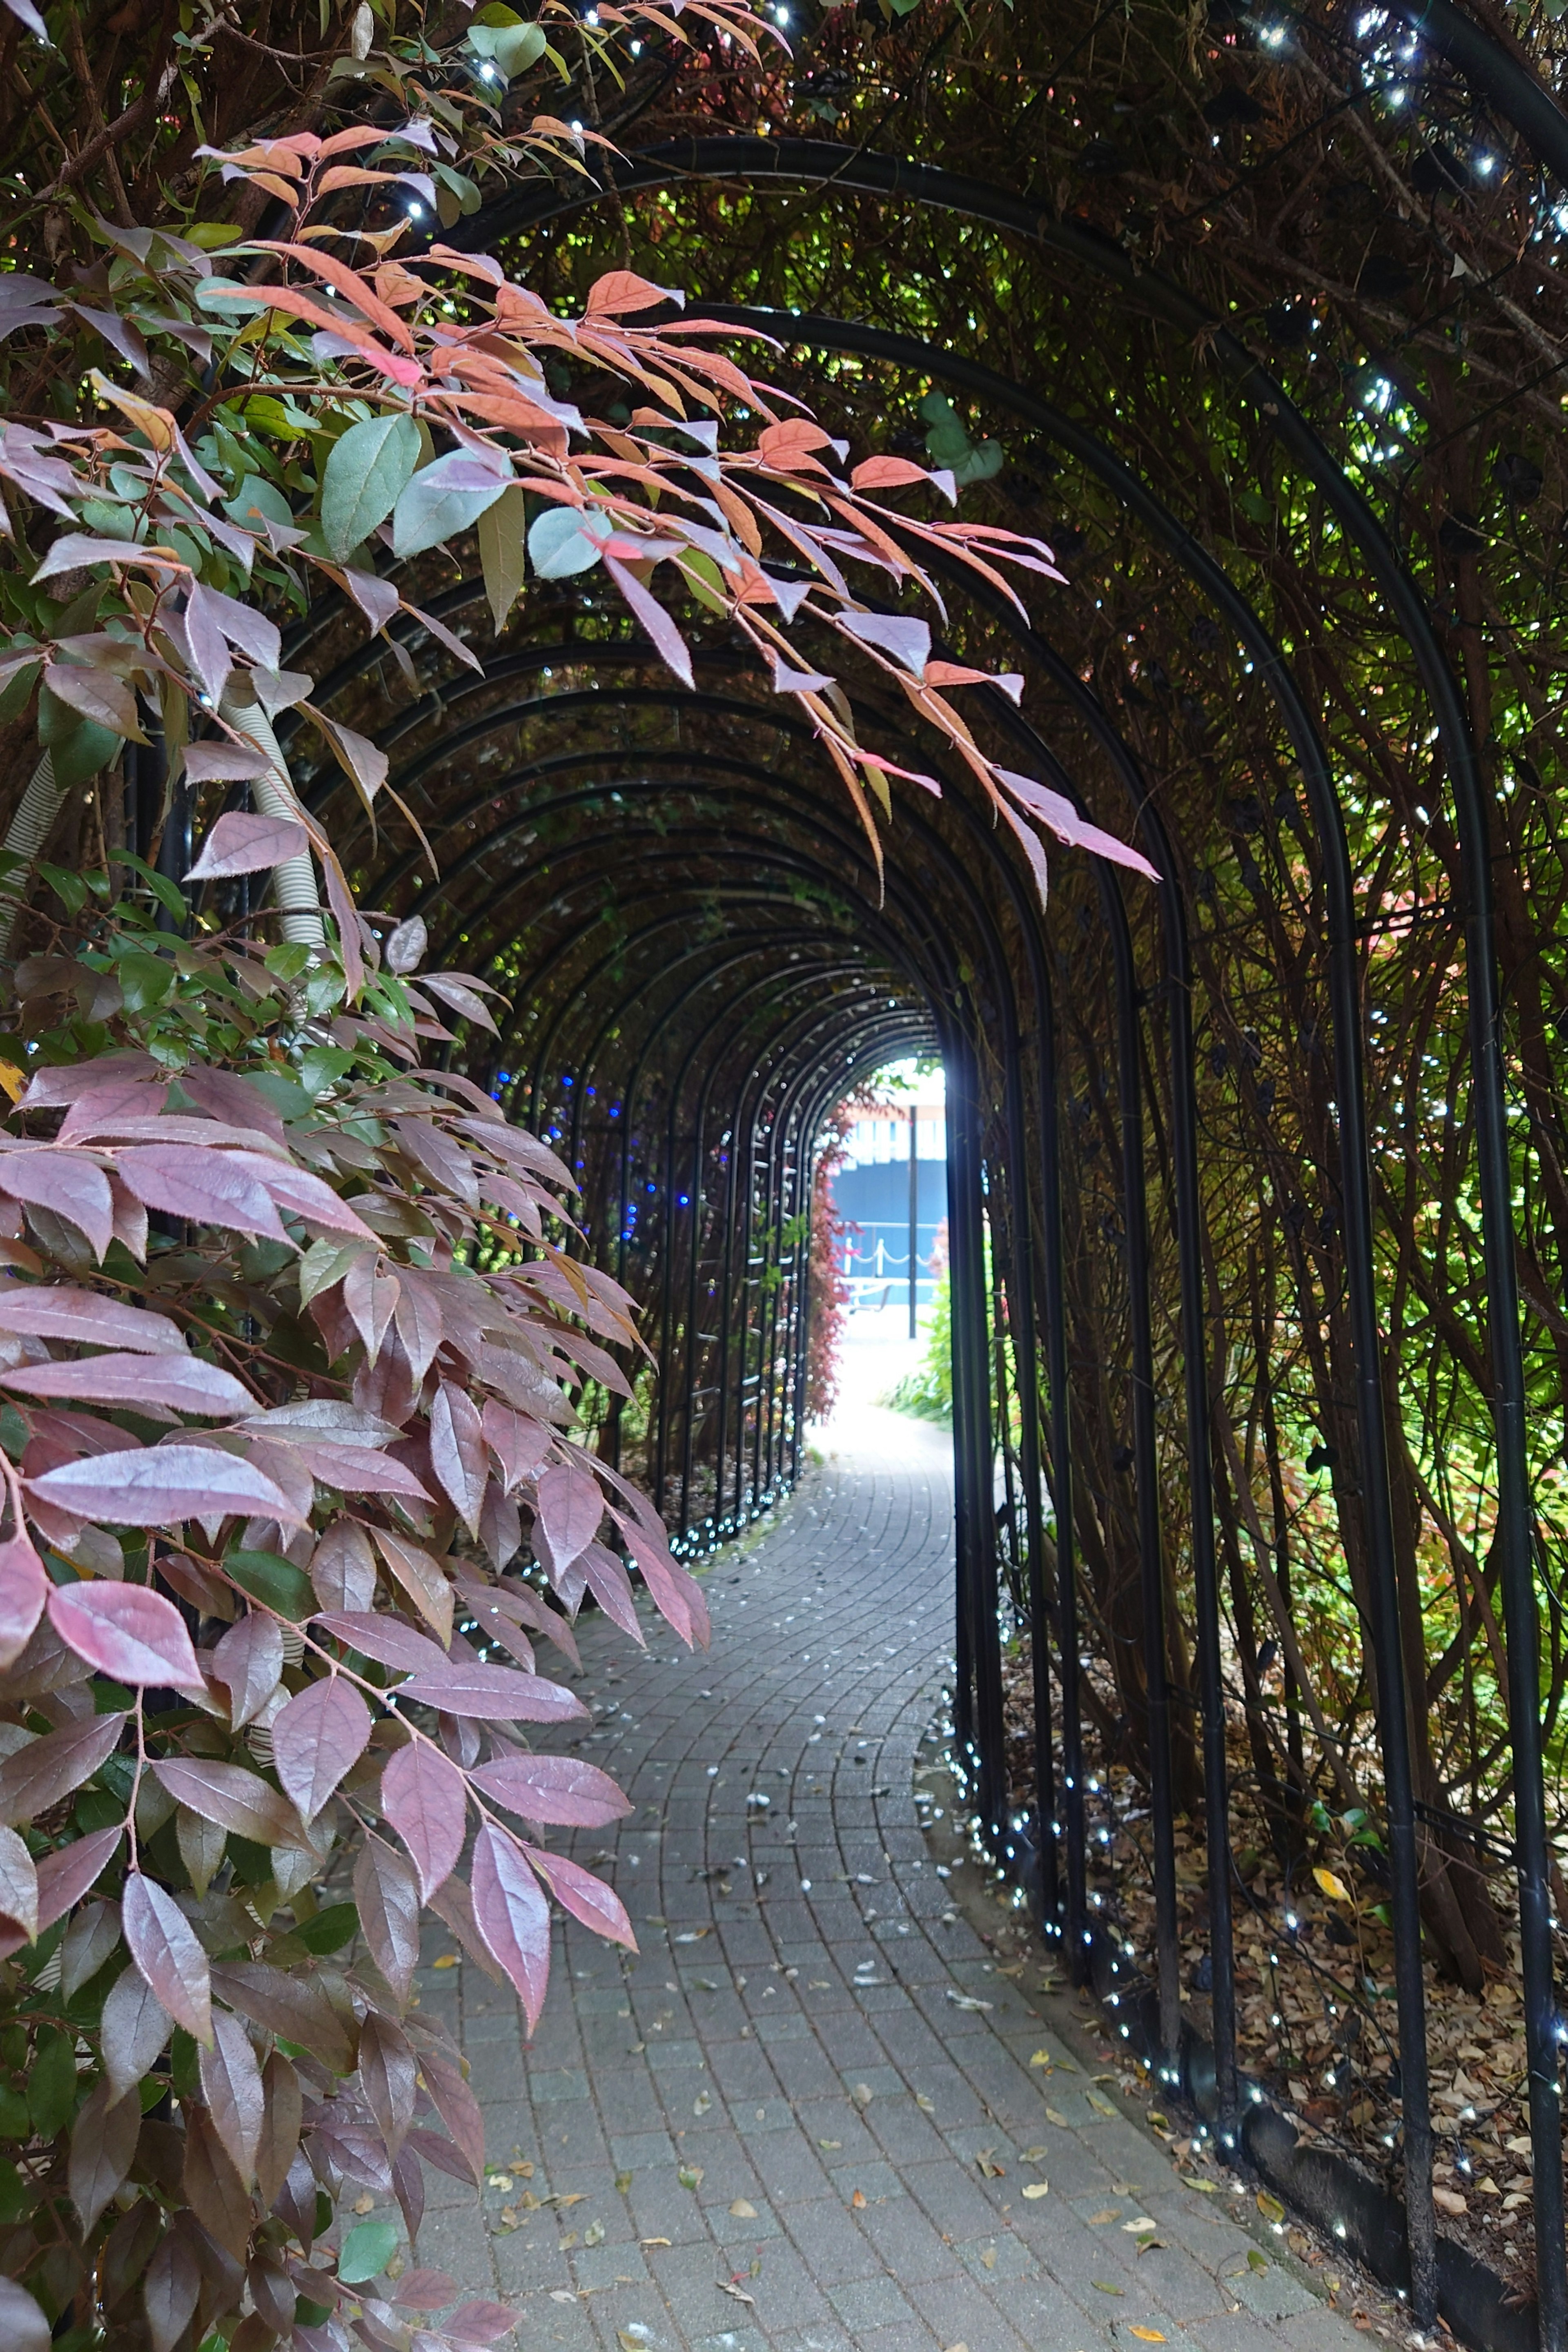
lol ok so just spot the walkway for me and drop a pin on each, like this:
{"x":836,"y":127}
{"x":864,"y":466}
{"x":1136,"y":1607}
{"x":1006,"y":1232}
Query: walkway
{"x":805,"y":2118}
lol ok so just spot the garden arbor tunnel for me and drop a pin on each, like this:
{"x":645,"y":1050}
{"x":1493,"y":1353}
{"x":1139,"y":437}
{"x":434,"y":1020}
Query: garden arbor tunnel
{"x":1249,"y":1169}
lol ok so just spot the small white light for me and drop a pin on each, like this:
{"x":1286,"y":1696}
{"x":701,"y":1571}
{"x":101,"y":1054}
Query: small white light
{"x":415,"y":211}
{"x":1486,"y":165}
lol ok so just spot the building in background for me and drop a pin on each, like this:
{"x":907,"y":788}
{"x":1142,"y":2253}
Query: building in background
{"x":872,"y":1194}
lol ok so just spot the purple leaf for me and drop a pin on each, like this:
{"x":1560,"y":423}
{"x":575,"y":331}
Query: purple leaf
{"x":248,"y":1662}
{"x":23,"y":2327}
{"x":479,"y":2323}
{"x":280,"y":2127}
{"x":519,"y":1444}
{"x":302,"y":1194}
{"x":513,"y":1916}
{"x":423,"y":1578}
{"x":556,"y":1789}
{"x":171,"y":2291}
{"x":425,"y":2290}
{"x":387,"y":2069}
{"x":571,"y":1506}
{"x":73,"y":1186}
{"x":231,"y":2084}
{"x":457,"y":1452}
{"x":214,"y":762}
{"x":65,"y":1876}
{"x":907,"y":640}
{"x":166,"y":1951}
{"x":493,"y":1694}
{"x":204,"y":1184}
{"x":182,"y":1382}
{"x":318,"y":1738}
{"x":667,"y":637}
{"x":155,"y":1486}
{"x":587,"y":1898}
{"x":127,"y":1632}
{"x":1067,"y":825}
{"x":386,"y":1639}
{"x":286,"y":2005}
{"x":343,"y":1569}
{"x":136,"y":2028}
{"x":103,"y":2143}
{"x":387,"y":1893}
{"x":230,"y":1797}
{"x":426,"y":1800}
{"x":56,"y":1311}
{"x":23,"y":1589}
{"x":39,"y":1775}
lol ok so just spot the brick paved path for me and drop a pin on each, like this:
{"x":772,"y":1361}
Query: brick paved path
{"x":783,"y":2093}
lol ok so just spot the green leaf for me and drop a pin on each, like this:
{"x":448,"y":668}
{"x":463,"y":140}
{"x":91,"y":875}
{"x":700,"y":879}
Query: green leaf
{"x":365,"y":474}
{"x":564,"y":539}
{"x":275,"y":1583}
{"x":69,"y":888}
{"x":145,"y":982}
{"x":440,"y":503}
{"x":514,"y":48}
{"x":51,"y":2084}
{"x":321,"y":1066}
{"x":80,"y":747}
{"x":366,"y":2251}
{"x":15,"y":2196}
{"x":331,"y":1929}
{"x":502,"y":532}
{"x":14,"y":2122}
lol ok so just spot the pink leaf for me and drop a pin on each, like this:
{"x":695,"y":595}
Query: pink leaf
{"x":24,"y":1588}
{"x":231,"y":1797}
{"x":513,"y":1916}
{"x":300,"y":1194}
{"x":126,"y":1631}
{"x":518,"y":1443}
{"x":317,"y":1739}
{"x":343,"y":1569}
{"x":480,"y":2324}
{"x":184,"y":1383}
{"x":56,"y":1311}
{"x":587,"y":1898}
{"x":135,"y":2031}
{"x":426,"y":1800}
{"x":887,"y":473}
{"x":205,"y":1185}
{"x":493,"y":1694}
{"x":553,"y":1789}
{"x":73,"y":1186}
{"x":155,"y":1486}
{"x":231,"y":2083}
{"x":570,"y":1508}
{"x":18,"y":1884}
{"x":670,"y":644}
{"x":1067,"y":825}
{"x":166,"y":1951}
{"x":248,"y":1663}
{"x":238,"y":844}
{"x":675,"y":1593}
{"x":457,"y":1452}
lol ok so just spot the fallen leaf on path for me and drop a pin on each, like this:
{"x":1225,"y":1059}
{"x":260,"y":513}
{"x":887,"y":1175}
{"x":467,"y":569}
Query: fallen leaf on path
{"x":1106,"y":2213}
{"x":1043,"y":2058}
{"x":690,"y":2176}
{"x":653,"y":2242}
{"x":1060,"y":2121}
{"x":862,"y":2095}
{"x":1106,"y":2288}
{"x":623,"y":2181}
{"x":743,"y":2209}
{"x":859,"y":2201}
{"x":738,"y":2291}
{"x":1037,"y":2189}
{"x":1146,"y":2335}
{"x":966,"y":1999}
{"x":594,"y":2235}
{"x":927,"y":2106}
{"x":1269,"y":2207}
{"x":1196,"y":2180}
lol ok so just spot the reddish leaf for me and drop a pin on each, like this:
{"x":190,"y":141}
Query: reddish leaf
{"x":86,"y":1944}
{"x":65,"y":1876}
{"x":126,"y":1631}
{"x":184,"y":1383}
{"x":23,"y":2327}
{"x":387,"y":2068}
{"x":248,"y":1663}
{"x":56,"y":1311}
{"x":675,"y":1593}
{"x":518,"y":1443}
{"x":283,"y":2111}
{"x":68,"y":1182}
{"x":343,"y":1569}
{"x":513,"y":1916}
{"x":387,"y":1893}
{"x":23,"y":1589}
{"x":136,"y":2028}
{"x":359,"y":1470}
{"x":213,"y":2189}
{"x":302,"y":1194}
{"x":553,"y":1789}
{"x":155,"y":1486}
{"x":171,"y":2292}
{"x":185,"y":1180}
{"x":457,"y":1452}
{"x":232,"y":1798}
{"x":587,"y":1898}
{"x":455,"y":2103}
{"x":425,"y":2290}
{"x":103,"y":2144}
{"x":570,"y":1509}
{"x":667,"y":641}
{"x":425,"y":1798}
{"x":386,"y":1639}
{"x":166,"y":1951}
{"x":420,"y":1322}
{"x":318,"y":1738}
{"x":238,"y":844}
{"x":18,"y":1884}
{"x":493,"y":1694}
{"x":887,"y":473}
{"x":611,"y":1587}
{"x":286,"y":2005}
{"x":231,"y":2084}
{"x":619,"y":290}
{"x":39,"y":1775}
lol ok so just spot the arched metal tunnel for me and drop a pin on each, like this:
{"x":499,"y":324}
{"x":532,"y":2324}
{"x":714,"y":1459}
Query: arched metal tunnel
{"x":700,"y":958}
